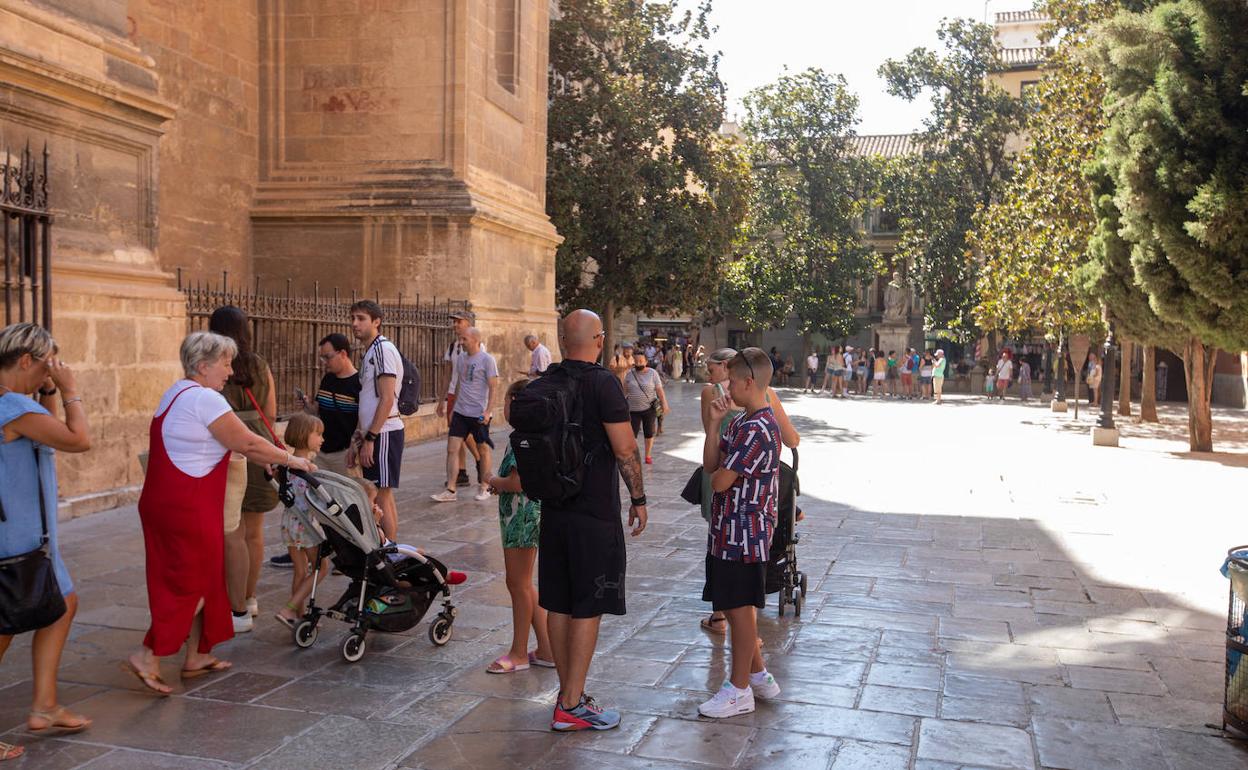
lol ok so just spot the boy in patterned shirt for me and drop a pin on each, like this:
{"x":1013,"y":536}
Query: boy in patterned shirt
{"x":744,"y":467}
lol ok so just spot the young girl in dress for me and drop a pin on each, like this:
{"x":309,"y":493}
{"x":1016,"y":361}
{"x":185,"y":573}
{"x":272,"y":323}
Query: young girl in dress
{"x":519,"y":521}
{"x":300,"y":532}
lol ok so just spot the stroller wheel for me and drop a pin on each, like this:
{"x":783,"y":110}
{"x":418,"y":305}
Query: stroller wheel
{"x":353,"y":648}
{"x":440,"y":630}
{"x":797,"y":606}
{"x":304,"y":634}
{"x":802,"y":583}
{"x":780,"y":603}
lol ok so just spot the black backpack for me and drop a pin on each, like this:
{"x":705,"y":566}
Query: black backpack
{"x":407,"y":396}
{"x":546,"y":439}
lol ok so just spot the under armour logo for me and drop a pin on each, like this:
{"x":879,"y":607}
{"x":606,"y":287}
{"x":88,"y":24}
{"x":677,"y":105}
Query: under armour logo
{"x":604,"y":585}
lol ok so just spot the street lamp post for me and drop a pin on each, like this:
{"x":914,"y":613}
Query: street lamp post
{"x":1105,"y":433}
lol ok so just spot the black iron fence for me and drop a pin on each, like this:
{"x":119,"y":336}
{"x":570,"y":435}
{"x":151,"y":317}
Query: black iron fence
{"x":27,"y":237}
{"x":286,"y":328}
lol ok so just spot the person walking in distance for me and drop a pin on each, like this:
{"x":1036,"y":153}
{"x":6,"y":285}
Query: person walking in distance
{"x":460,"y":320}
{"x":812,"y":371}
{"x":580,"y":576}
{"x":476,"y":384}
{"x":381,"y":451}
{"x":644,"y":388}
{"x":1005,"y":368}
{"x":1024,"y":379}
{"x":539,"y":356}
{"x":744,"y":466}
{"x":938,"y":375}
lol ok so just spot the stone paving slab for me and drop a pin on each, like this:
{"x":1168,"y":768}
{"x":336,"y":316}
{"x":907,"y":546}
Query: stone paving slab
{"x":1016,"y":609}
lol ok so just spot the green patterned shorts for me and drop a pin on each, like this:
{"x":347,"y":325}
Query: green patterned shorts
{"x":519,"y":520}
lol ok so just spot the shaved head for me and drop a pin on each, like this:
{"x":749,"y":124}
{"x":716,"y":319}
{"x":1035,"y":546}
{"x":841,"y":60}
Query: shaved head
{"x":581,"y":334}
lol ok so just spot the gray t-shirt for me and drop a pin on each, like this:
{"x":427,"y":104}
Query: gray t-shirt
{"x":641,"y":388}
{"x":473,"y":374}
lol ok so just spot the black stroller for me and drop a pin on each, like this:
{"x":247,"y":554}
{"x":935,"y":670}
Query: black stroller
{"x":783,"y":576}
{"x":392,"y":586}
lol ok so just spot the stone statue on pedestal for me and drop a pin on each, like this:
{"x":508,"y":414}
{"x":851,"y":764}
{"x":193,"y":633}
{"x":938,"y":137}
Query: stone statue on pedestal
{"x":896,"y":299}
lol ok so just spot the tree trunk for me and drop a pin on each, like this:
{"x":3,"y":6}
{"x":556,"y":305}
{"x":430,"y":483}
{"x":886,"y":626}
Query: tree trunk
{"x":1124,"y":379}
{"x":608,"y":334}
{"x":1198,"y":363}
{"x":1148,"y":391}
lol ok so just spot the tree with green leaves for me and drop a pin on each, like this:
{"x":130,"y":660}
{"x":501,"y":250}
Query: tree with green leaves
{"x":802,"y":251}
{"x":1176,"y":151}
{"x":645,"y":192}
{"x":962,"y":166}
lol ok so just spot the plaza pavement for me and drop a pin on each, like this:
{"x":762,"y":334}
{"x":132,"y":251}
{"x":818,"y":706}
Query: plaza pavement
{"x":987,"y":590}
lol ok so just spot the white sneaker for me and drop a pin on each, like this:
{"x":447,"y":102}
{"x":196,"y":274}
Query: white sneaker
{"x":728,"y":702}
{"x":242,"y":624}
{"x":445,"y":496}
{"x":253,"y":607}
{"x":764,"y":685}
{"x":484,"y":494}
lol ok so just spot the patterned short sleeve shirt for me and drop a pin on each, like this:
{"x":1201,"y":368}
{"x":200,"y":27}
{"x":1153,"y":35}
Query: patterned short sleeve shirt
{"x":743,"y":516}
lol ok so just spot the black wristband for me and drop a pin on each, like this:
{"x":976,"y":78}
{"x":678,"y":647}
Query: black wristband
{"x":638,"y":501}
{"x":52,"y":392}
{"x":370,"y":436}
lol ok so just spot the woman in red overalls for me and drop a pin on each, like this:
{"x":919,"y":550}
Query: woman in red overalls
{"x":182,"y":510}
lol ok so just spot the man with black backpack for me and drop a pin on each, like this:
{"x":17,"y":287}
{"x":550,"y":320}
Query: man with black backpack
{"x":572,"y":436}
{"x":381,"y":367}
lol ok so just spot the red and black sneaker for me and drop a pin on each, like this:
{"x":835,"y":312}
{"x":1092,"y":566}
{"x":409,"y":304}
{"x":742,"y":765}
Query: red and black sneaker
{"x":586,"y":716}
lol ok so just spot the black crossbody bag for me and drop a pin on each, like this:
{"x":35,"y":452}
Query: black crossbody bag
{"x":30,"y":597}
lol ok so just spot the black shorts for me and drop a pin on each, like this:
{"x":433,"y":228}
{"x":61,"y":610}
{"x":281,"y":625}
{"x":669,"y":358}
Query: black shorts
{"x":733,"y":584}
{"x":644,"y":422}
{"x":387,"y":459}
{"x":463,"y":426}
{"x":581,"y":564}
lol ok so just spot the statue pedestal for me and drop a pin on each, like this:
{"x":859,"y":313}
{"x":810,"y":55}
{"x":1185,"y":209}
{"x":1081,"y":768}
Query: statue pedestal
{"x":1104,"y":436}
{"x":894,"y":335}
{"x":1058,"y":406}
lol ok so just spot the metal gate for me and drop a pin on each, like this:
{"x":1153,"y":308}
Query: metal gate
{"x":27,"y":237}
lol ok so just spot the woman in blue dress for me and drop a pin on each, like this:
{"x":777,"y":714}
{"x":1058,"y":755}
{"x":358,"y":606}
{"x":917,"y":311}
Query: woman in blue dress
{"x":31,"y":433}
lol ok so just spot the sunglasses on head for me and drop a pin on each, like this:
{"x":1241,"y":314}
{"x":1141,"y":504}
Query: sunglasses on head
{"x":748,"y":365}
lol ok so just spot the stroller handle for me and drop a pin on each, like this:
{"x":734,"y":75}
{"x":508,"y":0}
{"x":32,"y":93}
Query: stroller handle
{"x":312,"y":483}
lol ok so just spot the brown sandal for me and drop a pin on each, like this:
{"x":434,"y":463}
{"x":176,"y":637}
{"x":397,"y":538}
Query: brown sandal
{"x":9,"y":751}
{"x":215,"y":666}
{"x":58,"y":722}
{"x":147,"y":678}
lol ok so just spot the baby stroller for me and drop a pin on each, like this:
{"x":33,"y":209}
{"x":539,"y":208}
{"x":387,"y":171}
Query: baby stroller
{"x":391,"y":586}
{"x":783,"y":576}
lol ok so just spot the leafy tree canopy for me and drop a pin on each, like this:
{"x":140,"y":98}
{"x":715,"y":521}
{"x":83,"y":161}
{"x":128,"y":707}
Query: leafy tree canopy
{"x":645,"y":192}
{"x":962,"y":166}
{"x":802,"y":251}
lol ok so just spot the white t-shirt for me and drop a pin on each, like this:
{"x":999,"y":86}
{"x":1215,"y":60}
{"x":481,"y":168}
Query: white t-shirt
{"x":382,"y":357}
{"x":1004,"y":368}
{"x":812,"y":362}
{"x":539,"y":359}
{"x":188,"y":442}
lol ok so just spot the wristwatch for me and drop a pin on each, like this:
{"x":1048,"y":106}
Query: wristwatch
{"x":370,"y":436}
{"x":638,"y":501}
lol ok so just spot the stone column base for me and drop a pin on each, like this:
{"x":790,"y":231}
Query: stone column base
{"x":1059,"y":406}
{"x":1104,"y":436}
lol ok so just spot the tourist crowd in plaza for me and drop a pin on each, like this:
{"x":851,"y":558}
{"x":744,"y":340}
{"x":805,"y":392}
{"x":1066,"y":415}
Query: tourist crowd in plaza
{"x":214,"y":441}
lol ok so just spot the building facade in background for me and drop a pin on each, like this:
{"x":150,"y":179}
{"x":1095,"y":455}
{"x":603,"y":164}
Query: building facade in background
{"x":382,"y":147}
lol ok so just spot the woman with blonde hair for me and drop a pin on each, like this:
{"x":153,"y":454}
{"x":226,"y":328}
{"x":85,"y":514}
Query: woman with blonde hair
{"x":30,"y":434}
{"x":717,"y":387}
{"x":181,"y":508}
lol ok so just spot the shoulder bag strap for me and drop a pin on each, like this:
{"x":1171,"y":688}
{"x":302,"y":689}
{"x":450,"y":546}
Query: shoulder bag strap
{"x":277,"y":441}
{"x":43,"y":514}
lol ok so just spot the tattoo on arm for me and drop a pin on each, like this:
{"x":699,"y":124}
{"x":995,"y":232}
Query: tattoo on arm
{"x":630,"y":471}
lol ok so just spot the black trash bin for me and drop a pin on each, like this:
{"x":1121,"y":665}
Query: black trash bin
{"x":1235,"y":696}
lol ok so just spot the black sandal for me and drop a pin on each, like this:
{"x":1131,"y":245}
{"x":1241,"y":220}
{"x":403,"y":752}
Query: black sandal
{"x":715,"y":625}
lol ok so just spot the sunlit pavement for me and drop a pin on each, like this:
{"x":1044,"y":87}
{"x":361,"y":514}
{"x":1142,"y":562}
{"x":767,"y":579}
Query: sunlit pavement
{"x":986,"y":590}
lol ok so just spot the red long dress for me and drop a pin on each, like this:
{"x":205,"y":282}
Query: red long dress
{"x":184,"y":538}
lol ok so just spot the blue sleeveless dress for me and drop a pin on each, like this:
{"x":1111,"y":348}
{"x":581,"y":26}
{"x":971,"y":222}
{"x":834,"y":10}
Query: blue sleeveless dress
{"x":19,"y":494}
